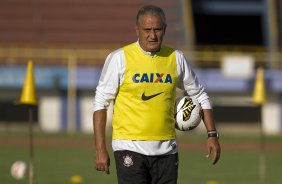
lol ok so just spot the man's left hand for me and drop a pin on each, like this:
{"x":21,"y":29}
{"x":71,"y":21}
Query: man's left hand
{"x":213,"y":147}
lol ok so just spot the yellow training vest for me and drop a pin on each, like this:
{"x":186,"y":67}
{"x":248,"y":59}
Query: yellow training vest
{"x":144,"y":106}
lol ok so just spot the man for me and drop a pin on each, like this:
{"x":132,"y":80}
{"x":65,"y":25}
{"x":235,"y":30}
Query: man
{"x":142,"y":78}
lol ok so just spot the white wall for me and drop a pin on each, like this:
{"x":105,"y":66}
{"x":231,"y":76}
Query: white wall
{"x":271,"y":118}
{"x":50,"y":112}
{"x":50,"y":115}
{"x":86,"y":109}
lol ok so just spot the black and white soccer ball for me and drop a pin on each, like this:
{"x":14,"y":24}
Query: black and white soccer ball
{"x":187,"y":113}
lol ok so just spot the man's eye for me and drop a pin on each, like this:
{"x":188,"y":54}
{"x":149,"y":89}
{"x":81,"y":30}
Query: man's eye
{"x":154,"y":30}
{"x":147,"y":30}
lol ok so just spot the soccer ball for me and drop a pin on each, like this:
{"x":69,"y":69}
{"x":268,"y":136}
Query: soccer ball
{"x":187,"y":113}
{"x":19,"y":170}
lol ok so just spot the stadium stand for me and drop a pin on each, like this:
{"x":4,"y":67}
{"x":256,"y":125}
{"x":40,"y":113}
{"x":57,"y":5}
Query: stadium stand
{"x":50,"y":27}
{"x":74,"y":22}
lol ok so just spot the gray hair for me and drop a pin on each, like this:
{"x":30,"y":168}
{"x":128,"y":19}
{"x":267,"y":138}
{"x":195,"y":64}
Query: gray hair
{"x":151,"y":10}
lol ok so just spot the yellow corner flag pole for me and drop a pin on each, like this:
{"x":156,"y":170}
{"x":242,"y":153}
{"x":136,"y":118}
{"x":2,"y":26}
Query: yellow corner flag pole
{"x":28,"y":98}
{"x":259,"y":99}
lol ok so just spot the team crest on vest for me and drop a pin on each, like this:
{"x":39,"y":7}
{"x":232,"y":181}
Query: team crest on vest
{"x":152,"y":78}
{"x":127,"y":161}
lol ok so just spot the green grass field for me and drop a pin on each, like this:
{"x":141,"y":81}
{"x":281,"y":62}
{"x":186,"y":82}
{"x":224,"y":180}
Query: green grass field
{"x":57,"y":157}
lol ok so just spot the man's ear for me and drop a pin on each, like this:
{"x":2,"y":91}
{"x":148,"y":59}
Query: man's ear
{"x":137,"y":30}
{"x":164,"y":28}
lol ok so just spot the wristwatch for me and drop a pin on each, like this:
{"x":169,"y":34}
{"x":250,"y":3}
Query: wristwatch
{"x":213,"y":134}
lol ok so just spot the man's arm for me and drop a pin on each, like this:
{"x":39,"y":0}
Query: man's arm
{"x":102,"y":159}
{"x":188,"y":82}
{"x":213,"y":145}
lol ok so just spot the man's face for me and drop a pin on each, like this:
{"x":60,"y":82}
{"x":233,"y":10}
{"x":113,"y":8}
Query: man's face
{"x":150,"y":31}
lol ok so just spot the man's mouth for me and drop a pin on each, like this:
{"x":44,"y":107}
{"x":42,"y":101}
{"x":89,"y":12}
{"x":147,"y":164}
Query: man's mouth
{"x":153,"y":42}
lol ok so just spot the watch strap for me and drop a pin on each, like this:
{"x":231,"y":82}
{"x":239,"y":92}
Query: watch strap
{"x":213,"y":134}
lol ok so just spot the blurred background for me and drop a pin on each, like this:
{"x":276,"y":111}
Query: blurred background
{"x":68,"y":40}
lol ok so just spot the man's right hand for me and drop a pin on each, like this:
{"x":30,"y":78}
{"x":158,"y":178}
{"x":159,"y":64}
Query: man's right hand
{"x":102,"y":161}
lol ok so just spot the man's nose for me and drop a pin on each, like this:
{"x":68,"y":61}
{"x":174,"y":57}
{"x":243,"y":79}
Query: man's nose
{"x":153,"y":34}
